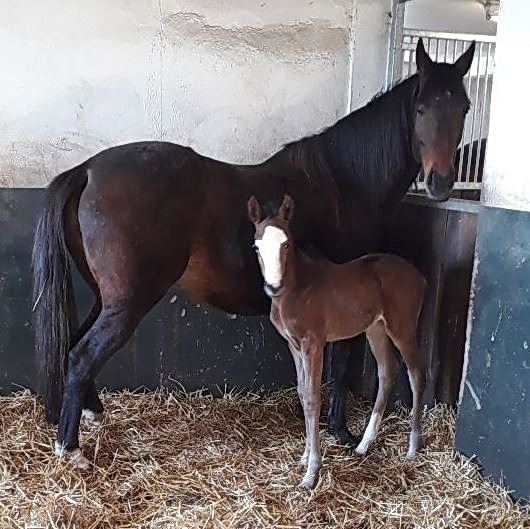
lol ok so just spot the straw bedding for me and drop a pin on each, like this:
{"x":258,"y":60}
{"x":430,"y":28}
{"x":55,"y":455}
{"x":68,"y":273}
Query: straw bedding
{"x":190,"y":461}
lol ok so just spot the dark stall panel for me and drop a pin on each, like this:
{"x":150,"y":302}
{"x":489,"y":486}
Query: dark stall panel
{"x":178,"y":340}
{"x":439,"y":239}
{"x":494,"y":416}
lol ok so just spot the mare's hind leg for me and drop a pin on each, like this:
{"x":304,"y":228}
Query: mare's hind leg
{"x":387,"y":370}
{"x":109,"y":332}
{"x":92,"y":406}
{"x":408,"y":347}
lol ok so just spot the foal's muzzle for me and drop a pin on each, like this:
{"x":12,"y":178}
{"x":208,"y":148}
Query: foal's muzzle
{"x":272,"y":290}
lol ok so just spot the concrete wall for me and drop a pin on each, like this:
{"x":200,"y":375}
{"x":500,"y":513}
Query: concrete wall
{"x":457,"y":16}
{"x":233,"y":79}
{"x":506,"y":180}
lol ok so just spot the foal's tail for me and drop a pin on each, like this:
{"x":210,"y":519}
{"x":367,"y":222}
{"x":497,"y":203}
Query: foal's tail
{"x":52,"y":288}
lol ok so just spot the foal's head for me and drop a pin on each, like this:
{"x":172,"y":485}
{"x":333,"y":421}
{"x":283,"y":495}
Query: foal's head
{"x":272,"y":241}
{"x":441,"y":106}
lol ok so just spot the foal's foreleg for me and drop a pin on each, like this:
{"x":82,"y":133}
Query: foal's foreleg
{"x":387,"y":369}
{"x":312,"y":359}
{"x":300,"y":385}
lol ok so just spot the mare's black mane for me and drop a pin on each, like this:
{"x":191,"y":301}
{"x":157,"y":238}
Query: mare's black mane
{"x":364,"y":152}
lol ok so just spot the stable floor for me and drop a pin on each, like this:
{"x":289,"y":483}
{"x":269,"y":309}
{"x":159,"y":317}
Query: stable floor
{"x":190,"y":461}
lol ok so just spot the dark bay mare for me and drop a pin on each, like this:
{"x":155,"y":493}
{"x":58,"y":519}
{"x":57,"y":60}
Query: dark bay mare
{"x":140,"y":218}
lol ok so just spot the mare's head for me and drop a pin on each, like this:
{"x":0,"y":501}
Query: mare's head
{"x":441,"y":105}
{"x":272,"y":242}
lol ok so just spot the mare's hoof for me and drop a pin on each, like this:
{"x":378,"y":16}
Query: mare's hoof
{"x":92,"y":418}
{"x":345,"y":438}
{"x":74,"y":457}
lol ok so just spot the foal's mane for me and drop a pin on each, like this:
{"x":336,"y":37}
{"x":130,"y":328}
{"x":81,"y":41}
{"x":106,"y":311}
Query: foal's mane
{"x":368,"y":151}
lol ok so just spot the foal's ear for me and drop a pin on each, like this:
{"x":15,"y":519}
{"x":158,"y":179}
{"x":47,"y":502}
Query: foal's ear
{"x":286,"y":209}
{"x":254,"y":209}
{"x":463,"y":64}
{"x":423,"y":61}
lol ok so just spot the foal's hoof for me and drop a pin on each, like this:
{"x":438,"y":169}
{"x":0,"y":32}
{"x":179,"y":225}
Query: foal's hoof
{"x":362,"y":449}
{"x":309,"y":481}
{"x":303,"y":460}
{"x":416,"y":445}
{"x":92,"y":418}
{"x":74,"y":457}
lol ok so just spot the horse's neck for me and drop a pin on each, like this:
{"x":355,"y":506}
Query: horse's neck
{"x":299,"y":267}
{"x":366,"y":156}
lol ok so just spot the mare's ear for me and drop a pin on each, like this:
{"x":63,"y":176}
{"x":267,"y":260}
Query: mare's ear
{"x":423,"y":61}
{"x":463,"y":64}
{"x":286,"y":209}
{"x":254,"y":209}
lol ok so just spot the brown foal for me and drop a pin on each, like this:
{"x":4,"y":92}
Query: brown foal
{"x":317,"y":301}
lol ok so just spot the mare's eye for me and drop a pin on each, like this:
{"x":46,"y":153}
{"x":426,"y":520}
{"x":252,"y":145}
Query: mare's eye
{"x":420,"y":110}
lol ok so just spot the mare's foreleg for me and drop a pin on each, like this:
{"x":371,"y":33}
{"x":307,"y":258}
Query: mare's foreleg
{"x":339,"y":355}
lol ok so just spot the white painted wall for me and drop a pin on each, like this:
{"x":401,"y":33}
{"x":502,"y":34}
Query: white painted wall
{"x":233,"y":79}
{"x":506,"y":179}
{"x":456,"y":16}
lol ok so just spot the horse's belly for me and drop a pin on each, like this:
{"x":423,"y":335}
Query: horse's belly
{"x":234,"y":291}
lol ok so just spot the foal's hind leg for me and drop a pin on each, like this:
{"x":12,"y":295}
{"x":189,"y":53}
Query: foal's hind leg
{"x":408,"y":348}
{"x":387,"y":369}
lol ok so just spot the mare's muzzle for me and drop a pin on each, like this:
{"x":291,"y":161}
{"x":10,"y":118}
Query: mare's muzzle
{"x":438,"y":186}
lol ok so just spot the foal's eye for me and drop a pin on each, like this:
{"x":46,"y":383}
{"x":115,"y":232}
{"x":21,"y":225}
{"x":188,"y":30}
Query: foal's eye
{"x":285,"y":245}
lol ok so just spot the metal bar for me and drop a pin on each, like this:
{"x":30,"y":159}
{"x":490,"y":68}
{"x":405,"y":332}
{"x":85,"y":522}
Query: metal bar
{"x":437,"y":50}
{"x":409,"y":71}
{"x":475,"y":110}
{"x":452,"y":36}
{"x":395,"y":56}
{"x":453,"y":204}
{"x":446,"y":48}
{"x":485,"y":106}
{"x":461,"y":177}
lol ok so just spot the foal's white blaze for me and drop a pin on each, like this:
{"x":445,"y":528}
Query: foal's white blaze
{"x":269,"y":249}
